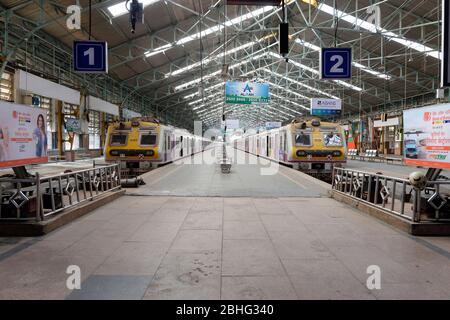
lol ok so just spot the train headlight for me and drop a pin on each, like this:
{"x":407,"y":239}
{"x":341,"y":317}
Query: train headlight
{"x":337,"y":153}
{"x":149,"y":153}
{"x":301,"y":153}
{"x":114,"y":153}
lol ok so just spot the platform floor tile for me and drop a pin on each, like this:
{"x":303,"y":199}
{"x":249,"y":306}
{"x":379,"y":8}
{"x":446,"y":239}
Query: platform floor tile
{"x":149,"y":247}
{"x":111,"y":287}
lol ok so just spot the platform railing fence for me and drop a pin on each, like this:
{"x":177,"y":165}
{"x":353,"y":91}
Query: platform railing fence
{"x":394,"y":195}
{"x":39,"y":197}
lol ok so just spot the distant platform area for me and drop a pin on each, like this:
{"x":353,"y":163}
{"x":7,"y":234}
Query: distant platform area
{"x":393,"y":170}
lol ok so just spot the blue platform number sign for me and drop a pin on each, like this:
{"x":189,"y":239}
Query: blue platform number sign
{"x":336,"y":63}
{"x":90,"y":56}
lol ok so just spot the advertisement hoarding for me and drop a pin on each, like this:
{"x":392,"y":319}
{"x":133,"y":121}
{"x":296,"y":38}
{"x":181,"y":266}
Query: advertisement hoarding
{"x":23,"y":136}
{"x":246,"y":92}
{"x":426,"y":136}
{"x":325,"y":107}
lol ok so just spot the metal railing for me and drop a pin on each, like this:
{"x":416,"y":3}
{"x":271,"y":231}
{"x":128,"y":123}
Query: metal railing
{"x":37,"y":198}
{"x":395,"y":195}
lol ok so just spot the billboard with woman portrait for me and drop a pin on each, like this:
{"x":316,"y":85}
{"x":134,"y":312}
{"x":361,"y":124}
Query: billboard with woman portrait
{"x":23,"y":136}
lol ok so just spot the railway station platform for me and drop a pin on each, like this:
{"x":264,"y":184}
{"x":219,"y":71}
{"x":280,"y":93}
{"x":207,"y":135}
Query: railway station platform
{"x":194,"y":233}
{"x":394,"y":170}
{"x":57,"y":167}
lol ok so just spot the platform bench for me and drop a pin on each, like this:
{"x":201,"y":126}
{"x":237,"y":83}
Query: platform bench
{"x":393,"y":159}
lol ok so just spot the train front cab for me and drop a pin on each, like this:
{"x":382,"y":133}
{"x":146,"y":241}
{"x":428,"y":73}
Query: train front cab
{"x":317,"y":148}
{"x":133,"y":144}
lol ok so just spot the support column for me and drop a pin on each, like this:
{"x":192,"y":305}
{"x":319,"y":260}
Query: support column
{"x":83,"y":116}
{"x":103,"y":128}
{"x":59,"y":126}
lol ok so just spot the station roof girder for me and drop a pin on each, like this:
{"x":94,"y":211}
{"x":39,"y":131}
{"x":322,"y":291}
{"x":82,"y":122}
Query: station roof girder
{"x":165,"y":53}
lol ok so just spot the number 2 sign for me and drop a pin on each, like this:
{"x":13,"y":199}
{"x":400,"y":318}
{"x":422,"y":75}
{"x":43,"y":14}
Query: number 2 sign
{"x":90,"y":56}
{"x":336,"y":63}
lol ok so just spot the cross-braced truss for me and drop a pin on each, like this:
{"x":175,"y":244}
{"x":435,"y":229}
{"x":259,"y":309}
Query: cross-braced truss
{"x":172,"y":66}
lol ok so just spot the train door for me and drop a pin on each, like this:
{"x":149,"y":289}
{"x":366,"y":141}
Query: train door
{"x":263,"y":146}
{"x":257,"y":145}
{"x":277,"y":147}
{"x":167,"y":149}
{"x":267,"y":146}
{"x":181,"y":146}
{"x":172,"y":146}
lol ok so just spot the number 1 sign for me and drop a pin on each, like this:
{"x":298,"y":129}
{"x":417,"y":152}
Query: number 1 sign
{"x":90,"y":56}
{"x":336,"y":63}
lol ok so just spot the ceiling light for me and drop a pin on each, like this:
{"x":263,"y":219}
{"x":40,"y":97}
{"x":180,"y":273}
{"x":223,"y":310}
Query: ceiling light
{"x":120,"y":8}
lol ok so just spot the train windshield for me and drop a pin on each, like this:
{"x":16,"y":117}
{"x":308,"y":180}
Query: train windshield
{"x":148,"y":139}
{"x":119,"y":139}
{"x":332,"y":139}
{"x":303,"y":139}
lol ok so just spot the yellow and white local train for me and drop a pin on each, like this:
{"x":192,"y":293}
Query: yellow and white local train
{"x":312,"y":146}
{"x":145,"y":144}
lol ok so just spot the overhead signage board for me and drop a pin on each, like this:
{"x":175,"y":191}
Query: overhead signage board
{"x":273,"y":125}
{"x":73,"y":125}
{"x":90,"y":56}
{"x":445,"y":65}
{"x":130,"y":114}
{"x":254,"y":2}
{"x":246,"y":92}
{"x":232,"y":124}
{"x":35,"y":101}
{"x":426,"y":136}
{"x":23,"y":136}
{"x":326,"y":107}
{"x":388,"y":123}
{"x":336,"y":63}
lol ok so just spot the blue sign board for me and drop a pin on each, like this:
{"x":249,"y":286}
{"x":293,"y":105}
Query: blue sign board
{"x":336,"y":63}
{"x":35,"y":101}
{"x":90,"y":56}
